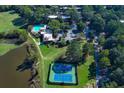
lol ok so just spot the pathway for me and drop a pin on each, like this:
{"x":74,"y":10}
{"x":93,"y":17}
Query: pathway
{"x":41,"y":56}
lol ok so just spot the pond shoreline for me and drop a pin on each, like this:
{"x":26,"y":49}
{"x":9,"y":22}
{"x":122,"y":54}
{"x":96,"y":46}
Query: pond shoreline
{"x":34,"y":81}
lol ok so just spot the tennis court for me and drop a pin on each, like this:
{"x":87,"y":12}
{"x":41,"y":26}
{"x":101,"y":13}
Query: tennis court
{"x":68,"y":77}
{"x":63,"y":77}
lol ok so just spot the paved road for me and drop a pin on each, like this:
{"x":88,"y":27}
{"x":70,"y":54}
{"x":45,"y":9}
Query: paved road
{"x":70,"y":35}
{"x":98,"y":77}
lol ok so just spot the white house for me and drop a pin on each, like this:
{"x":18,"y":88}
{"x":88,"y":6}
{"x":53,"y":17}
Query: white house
{"x":48,"y":37}
{"x":122,"y":21}
{"x":52,"y":16}
{"x":65,"y":17}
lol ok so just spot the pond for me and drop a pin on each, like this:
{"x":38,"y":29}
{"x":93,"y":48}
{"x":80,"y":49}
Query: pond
{"x":9,"y":77}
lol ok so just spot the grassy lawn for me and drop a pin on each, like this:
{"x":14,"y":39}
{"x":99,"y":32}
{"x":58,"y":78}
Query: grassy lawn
{"x":4,"y":48}
{"x":49,"y":55}
{"x":6,"y":21}
{"x":83,"y":72}
{"x":52,"y":53}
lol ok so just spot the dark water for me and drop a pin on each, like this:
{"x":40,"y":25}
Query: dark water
{"x":9,"y":77}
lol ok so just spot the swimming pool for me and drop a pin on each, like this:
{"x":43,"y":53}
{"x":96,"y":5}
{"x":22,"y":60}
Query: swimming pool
{"x":37,"y":28}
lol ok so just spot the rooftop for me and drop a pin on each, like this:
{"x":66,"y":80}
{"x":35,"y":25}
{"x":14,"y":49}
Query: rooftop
{"x":52,"y":16}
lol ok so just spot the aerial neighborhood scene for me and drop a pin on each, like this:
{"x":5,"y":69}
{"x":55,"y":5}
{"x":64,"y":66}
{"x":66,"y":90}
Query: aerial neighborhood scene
{"x":61,"y":46}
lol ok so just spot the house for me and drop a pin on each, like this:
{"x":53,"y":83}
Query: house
{"x":45,"y":34}
{"x":122,"y":21}
{"x":66,"y":18}
{"x":52,"y":16}
{"x":48,"y":37}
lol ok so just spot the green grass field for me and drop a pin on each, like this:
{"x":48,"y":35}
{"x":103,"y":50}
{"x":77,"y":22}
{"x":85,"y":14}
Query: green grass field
{"x":49,"y":56}
{"x":4,"y":48}
{"x":83,"y":72}
{"x":6,"y":21}
{"x":51,"y":53}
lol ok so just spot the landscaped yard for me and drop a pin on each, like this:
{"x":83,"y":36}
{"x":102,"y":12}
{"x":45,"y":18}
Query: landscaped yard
{"x":4,"y":48}
{"x":6,"y":21}
{"x":51,"y":53}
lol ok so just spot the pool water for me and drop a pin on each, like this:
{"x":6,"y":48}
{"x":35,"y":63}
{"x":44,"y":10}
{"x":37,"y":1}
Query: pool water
{"x":36,"y":28}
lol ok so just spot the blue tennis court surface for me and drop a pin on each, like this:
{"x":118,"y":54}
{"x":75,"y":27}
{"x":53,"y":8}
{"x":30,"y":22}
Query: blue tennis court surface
{"x":63,"y":77}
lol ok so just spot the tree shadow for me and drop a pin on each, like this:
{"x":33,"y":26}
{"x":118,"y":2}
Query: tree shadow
{"x":20,"y":22}
{"x":12,"y":12}
{"x":92,"y":70}
{"x":27,"y":64}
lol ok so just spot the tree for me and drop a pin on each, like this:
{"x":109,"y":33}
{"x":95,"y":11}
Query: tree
{"x":86,"y":8}
{"x":25,"y":12}
{"x":121,"y":39}
{"x":91,"y":35}
{"x":112,"y":84}
{"x":109,"y":15}
{"x":104,"y":62}
{"x":54,"y":9}
{"x":111,"y":27}
{"x":86,"y":16}
{"x":23,"y":36}
{"x":87,"y":12}
{"x":104,"y":53}
{"x":73,"y":13}
{"x":97,"y":23}
{"x":119,"y":61}
{"x":5,"y":8}
{"x":114,"y":53}
{"x":88,"y":49}
{"x":111,"y":42}
{"x":65,"y":26}
{"x":74,"y":53}
{"x":80,"y":26}
{"x":118,"y":76}
{"x":99,"y":9}
{"x":55,"y":26}
{"x":101,"y":40}
{"x":40,"y":14}
{"x":29,"y":28}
